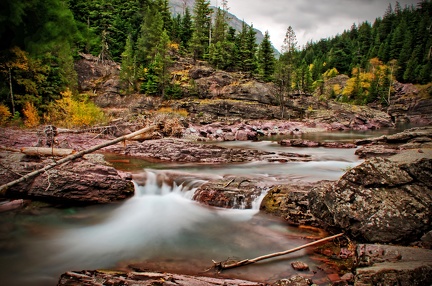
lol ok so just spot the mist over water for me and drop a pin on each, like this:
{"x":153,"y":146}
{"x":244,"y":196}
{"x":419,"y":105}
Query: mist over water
{"x":162,"y":227}
{"x":159,"y":222}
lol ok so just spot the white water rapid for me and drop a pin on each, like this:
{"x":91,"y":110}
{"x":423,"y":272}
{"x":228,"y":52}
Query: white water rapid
{"x":159,"y":222}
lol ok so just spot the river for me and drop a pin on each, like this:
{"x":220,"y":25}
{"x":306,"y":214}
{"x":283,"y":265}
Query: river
{"x":162,"y":229}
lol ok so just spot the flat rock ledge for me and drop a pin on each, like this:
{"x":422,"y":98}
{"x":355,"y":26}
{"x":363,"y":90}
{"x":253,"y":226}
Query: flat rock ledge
{"x":392,"y":265}
{"x":111,"y":278}
{"x":417,"y":138}
{"x":182,"y":150}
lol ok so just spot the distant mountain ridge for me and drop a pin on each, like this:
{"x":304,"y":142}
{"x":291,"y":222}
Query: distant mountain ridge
{"x":178,"y":7}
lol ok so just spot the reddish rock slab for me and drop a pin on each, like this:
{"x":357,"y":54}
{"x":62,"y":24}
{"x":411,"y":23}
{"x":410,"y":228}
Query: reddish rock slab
{"x":114,"y":278}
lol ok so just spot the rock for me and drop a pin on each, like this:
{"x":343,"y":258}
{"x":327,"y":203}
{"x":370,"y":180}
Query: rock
{"x":291,"y":203}
{"x":348,"y":277}
{"x":112,"y":278}
{"x":298,"y":143}
{"x":308,"y":143}
{"x":338,"y":145}
{"x":393,"y":265}
{"x":11,"y":205}
{"x":77,"y":182}
{"x":378,"y":201}
{"x":231,"y":192}
{"x":295,"y":280}
{"x":402,"y":137}
{"x":299,"y":266}
{"x":407,"y":105}
{"x":180,"y":150}
{"x":200,"y":72}
{"x":369,"y":151}
{"x":426,"y":240}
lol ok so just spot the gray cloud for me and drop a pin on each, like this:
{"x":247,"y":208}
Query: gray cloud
{"x":310,"y":19}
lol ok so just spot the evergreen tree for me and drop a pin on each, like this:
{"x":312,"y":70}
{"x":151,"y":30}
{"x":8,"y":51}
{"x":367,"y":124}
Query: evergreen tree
{"x":201,"y":29}
{"x":128,"y":73}
{"x":266,"y":60}
{"x":186,"y":29}
{"x":150,"y":36}
{"x":284,"y":71}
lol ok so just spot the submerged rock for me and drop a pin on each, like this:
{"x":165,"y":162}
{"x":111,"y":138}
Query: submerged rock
{"x":378,"y":201}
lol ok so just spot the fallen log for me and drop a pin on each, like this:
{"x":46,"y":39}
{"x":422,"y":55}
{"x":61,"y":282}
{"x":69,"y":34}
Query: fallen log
{"x":222,"y":265}
{"x":71,"y":157}
{"x":10,"y":149}
{"x":46,"y":151}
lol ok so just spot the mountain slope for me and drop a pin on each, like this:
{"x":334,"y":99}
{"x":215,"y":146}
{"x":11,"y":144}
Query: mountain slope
{"x":178,"y":7}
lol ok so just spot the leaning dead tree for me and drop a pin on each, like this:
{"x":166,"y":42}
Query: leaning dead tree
{"x":74,"y":156}
{"x":223,"y":265}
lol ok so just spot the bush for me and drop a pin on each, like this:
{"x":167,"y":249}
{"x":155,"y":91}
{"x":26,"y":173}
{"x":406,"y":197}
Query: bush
{"x":31,"y":116}
{"x":5,"y":114}
{"x":70,"y":112}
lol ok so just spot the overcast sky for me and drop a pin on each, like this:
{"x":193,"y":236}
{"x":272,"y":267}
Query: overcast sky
{"x":310,"y":19}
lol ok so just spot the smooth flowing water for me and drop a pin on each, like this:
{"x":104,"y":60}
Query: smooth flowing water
{"x":161,"y":228}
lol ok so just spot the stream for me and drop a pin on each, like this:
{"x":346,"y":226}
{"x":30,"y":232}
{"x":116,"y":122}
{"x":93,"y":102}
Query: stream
{"x":162,"y":229}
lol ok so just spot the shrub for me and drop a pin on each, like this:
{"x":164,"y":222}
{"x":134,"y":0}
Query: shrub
{"x":71,"y":112}
{"x":5,"y":114}
{"x":31,"y":116}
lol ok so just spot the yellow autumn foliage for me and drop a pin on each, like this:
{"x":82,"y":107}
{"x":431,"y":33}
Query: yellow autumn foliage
{"x":70,"y":112}
{"x":5,"y":114}
{"x":31,"y":116}
{"x":169,"y":110}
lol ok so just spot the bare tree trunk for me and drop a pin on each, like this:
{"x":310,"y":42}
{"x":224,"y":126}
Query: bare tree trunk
{"x":71,"y":157}
{"x":11,"y":91}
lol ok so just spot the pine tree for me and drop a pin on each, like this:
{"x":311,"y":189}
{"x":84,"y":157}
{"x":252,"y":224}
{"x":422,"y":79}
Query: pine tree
{"x":201,"y":29}
{"x":186,"y":30}
{"x":266,"y":60}
{"x":150,"y":36}
{"x":128,"y":66}
{"x":284,"y":71}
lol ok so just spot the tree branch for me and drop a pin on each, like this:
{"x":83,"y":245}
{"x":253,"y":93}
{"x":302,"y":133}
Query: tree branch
{"x":151,"y":128}
{"x":222,"y":266}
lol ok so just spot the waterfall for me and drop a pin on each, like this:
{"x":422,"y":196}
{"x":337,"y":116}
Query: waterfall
{"x":160,"y":183}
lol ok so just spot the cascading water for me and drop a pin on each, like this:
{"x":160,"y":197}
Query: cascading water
{"x":162,"y":229}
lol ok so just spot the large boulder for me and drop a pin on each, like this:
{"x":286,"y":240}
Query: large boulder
{"x":291,"y":202}
{"x":232,"y":192}
{"x":82,"y":181}
{"x":379,"y":201}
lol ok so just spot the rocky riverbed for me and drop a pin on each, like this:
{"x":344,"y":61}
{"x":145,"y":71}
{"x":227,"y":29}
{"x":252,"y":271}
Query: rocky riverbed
{"x":383,"y":200}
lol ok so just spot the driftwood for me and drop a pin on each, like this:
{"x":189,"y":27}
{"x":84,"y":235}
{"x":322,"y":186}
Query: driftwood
{"x":223,"y":265}
{"x":46,"y":151}
{"x":10,"y":149}
{"x":71,"y":157}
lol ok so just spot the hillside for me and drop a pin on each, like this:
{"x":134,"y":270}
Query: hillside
{"x":178,"y":6}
